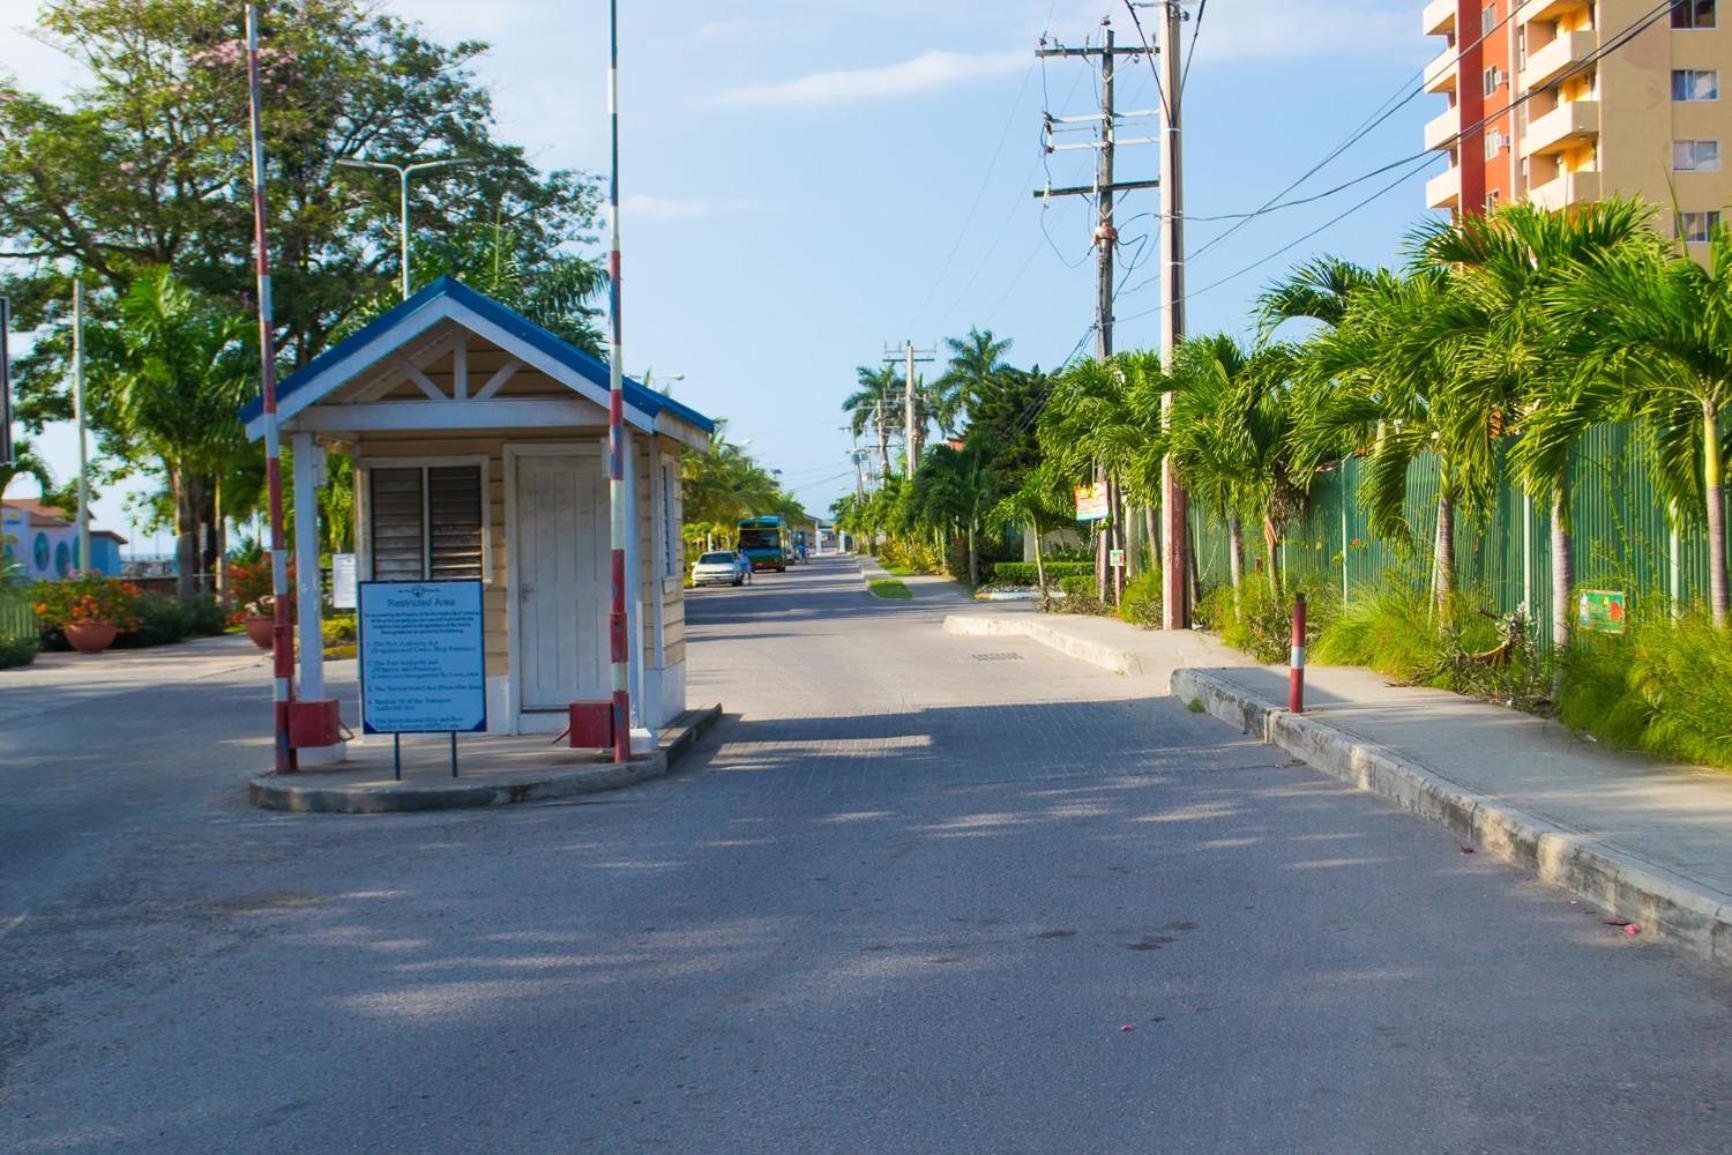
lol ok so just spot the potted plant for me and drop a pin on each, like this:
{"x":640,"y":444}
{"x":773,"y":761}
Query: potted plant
{"x":255,"y":604}
{"x":89,"y":608}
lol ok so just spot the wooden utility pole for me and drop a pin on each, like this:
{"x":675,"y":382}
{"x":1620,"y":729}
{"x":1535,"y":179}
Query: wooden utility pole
{"x":913,"y":424}
{"x":1106,"y":241}
{"x":1175,"y":536}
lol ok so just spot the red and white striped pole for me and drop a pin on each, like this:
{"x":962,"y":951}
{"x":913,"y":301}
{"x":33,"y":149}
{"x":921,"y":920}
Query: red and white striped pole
{"x":616,"y":622}
{"x":282,"y":637}
{"x":1296,"y":663}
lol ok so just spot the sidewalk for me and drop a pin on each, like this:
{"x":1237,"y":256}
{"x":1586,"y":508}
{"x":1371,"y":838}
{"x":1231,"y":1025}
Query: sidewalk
{"x":61,"y":680}
{"x":1643,"y":840}
{"x":930,"y":589}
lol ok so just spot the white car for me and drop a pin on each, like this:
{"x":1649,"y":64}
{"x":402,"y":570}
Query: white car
{"x":717,"y":569}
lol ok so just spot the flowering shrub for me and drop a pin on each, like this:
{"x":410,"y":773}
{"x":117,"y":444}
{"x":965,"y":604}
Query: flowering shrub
{"x":249,"y":588}
{"x":88,"y":597}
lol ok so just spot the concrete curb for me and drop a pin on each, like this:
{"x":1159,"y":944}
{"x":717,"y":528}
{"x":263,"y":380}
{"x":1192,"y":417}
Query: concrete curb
{"x":304,"y":794}
{"x":1094,"y":653}
{"x":1680,"y":910}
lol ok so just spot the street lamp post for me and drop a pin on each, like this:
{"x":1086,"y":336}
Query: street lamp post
{"x":404,"y":172}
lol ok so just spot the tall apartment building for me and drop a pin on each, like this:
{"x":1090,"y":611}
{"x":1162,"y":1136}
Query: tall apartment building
{"x":1534,"y":114}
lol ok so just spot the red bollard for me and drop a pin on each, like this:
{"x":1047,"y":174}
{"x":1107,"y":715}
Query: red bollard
{"x":1296,"y":663}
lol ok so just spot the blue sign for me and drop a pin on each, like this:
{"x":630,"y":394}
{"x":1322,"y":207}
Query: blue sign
{"x":423,"y":657}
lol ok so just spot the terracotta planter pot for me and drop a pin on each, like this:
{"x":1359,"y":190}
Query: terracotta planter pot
{"x":259,"y":630}
{"x":90,"y":637}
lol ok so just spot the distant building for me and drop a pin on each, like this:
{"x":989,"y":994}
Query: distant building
{"x":1550,"y":101}
{"x":45,"y":543}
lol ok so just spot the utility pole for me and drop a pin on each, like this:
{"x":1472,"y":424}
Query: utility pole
{"x":913,"y":431}
{"x":83,"y":423}
{"x":1175,"y":537}
{"x":619,"y":650}
{"x":1105,"y":238}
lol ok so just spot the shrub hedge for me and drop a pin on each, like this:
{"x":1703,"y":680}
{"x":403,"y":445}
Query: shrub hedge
{"x":1024,"y":573}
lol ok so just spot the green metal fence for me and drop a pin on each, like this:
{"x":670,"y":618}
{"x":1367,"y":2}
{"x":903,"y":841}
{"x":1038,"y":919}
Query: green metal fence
{"x":1503,"y":559}
{"x":17,"y":618}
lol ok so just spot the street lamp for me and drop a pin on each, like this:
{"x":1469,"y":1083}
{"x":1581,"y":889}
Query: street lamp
{"x":403,"y":173}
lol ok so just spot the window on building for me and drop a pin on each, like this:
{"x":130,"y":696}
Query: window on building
{"x":1492,"y":196}
{"x":1488,"y":20}
{"x":1693,"y":14}
{"x":1695,"y":227}
{"x":1493,"y":78}
{"x":1494,"y":142}
{"x":1695,"y":84}
{"x":1696,"y":156}
{"x":426,"y":522}
{"x":673,"y":559}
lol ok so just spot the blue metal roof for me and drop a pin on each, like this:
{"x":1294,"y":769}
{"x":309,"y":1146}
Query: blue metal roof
{"x":527,"y":331}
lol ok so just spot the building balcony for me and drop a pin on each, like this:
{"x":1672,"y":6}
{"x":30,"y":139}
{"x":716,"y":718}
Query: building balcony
{"x":1546,"y":9}
{"x":1440,"y":132}
{"x":1566,"y":189}
{"x":1443,"y":191}
{"x":1439,"y":18}
{"x":1547,"y":63}
{"x":1562,"y":128}
{"x":1440,"y":73}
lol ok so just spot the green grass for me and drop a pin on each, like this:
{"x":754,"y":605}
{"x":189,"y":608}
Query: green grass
{"x":1665,"y":687}
{"x":901,"y":571}
{"x":1195,"y":706}
{"x":891,"y":589}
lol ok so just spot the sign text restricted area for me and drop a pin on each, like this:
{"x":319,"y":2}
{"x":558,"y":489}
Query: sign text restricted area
{"x":423,"y":657}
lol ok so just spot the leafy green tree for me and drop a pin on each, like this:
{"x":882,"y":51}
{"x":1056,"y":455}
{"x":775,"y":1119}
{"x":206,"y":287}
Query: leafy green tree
{"x":143,"y":167}
{"x":875,"y":407}
{"x":1659,"y":327}
{"x":1519,"y":346}
{"x":177,"y":372}
{"x":26,"y":462}
{"x":974,"y":371}
{"x":1317,"y":290}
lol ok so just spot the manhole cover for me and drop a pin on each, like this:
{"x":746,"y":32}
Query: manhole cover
{"x":1005,"y":657}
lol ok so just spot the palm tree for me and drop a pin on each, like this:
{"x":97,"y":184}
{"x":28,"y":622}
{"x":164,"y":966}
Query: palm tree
{"x":1103,"y":420}
{"x":1390,"y":382}
{"x":957,"y":487}
{"x":1317,"y":290}
{"x":976,"y":363}
{"x":1520,"y":347}
{"x":180,"y":377}
{"x":26,"y":462}
{"x":872,"y":407}
{"x":1659,"y":326}
{"x":1232,"y":432}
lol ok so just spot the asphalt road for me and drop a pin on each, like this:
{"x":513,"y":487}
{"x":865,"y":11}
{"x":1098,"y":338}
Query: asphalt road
{"x":917,"y":893}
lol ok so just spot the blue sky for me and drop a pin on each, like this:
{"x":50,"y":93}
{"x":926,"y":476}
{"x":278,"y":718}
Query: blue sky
{"x":807,"y":180}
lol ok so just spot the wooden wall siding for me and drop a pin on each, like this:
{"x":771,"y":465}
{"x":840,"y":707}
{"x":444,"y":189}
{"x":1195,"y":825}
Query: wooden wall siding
{"x":414,"y":444}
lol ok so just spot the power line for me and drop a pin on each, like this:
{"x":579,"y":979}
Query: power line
{"x":1386,"y":111}
{"x":985,"y":181}
{"x":1612,"y":45}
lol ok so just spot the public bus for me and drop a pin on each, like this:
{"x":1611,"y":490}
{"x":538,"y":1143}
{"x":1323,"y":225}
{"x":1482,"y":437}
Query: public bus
{"x":764,"y":542}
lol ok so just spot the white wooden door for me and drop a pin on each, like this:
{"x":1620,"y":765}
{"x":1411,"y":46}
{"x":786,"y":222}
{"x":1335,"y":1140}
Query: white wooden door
{"x":562,"y":580}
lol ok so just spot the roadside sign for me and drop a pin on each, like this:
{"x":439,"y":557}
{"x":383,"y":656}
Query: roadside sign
{"x":423,"y":658}
{"x":343,"y":577}
{"x":1091,"y":502}
{"x":1601,"y":611}
{"x":1116,"y":558}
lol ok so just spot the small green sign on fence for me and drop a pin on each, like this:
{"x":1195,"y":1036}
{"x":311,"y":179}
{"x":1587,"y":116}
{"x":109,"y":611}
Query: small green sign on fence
{"x":1601,"y":611}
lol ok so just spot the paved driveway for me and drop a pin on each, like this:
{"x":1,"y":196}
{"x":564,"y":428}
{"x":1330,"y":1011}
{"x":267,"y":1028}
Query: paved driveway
{"x":918,"y":893}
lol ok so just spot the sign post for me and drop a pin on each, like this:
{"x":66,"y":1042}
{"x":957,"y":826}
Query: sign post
{"x":423,"y":661}
{"x":1091,"y":502}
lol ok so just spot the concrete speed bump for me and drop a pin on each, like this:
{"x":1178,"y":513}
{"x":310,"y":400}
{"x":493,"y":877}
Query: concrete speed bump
{"x":1682,"y":910}
{"x":365,"y":792}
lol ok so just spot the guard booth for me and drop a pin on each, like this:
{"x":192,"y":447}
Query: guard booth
{"x":479,"y":444}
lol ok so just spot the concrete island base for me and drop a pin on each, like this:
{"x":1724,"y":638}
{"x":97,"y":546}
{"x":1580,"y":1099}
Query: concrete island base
{"x":495,"y":772}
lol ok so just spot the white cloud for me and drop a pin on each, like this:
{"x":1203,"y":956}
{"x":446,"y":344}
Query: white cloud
{"x":924,"y":73}
{"x":677,"y":209}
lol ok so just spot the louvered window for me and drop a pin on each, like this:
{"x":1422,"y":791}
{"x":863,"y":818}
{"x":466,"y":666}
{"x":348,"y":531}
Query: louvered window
{"x":426,"y":522}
